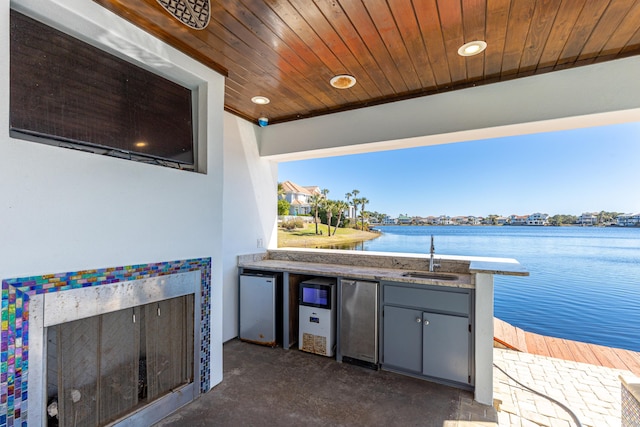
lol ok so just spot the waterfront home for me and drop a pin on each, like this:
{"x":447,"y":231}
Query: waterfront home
{"x":404,"y":219}
{"x":140,"y":218}
{"x":387,"y":220}
{"x":473,"y":220}
{"x":628,"y":220}
{"x":588,"y":218}
{"x":500,"y":220}
{"x":444,"y":220}
{"x":431,"y":220}
{"x":459,"y":220}
{"x":517,"y":219}
{"x":299,"y":197}
{"x":537,"y":219}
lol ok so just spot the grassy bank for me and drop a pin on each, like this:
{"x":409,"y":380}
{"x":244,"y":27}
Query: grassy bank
{"x":307,"y":237}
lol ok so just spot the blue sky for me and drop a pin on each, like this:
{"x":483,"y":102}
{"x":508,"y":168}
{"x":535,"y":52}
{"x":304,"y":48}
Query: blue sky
{"x":568,"y":172}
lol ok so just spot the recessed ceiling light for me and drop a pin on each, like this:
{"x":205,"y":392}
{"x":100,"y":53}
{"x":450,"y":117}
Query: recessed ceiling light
{"x":343,"y":81}
{"x":140,"y":144}
{"x":472,"y":48}
{"x":260,"y":100}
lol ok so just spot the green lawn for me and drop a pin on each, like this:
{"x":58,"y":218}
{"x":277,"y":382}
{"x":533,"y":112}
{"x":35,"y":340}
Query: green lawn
{"x":307,"y":237}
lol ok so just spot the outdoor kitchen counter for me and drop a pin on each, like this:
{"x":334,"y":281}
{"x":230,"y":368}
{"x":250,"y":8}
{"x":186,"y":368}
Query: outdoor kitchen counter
{"x":354,"y":272}
{"x":473,"y":273}
{"x":379,"y":266}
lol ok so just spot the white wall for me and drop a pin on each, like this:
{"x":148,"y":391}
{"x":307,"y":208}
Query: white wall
{"x":64,"y":210}
{"x":250,"y":208}
{"x":484,"y":339}
{"x":593,"y":95}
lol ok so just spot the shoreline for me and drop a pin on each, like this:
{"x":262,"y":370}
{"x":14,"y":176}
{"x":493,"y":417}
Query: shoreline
{"x":306,"y":237}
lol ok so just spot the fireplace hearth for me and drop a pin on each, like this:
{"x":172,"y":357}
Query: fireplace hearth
{"x":125,"y":344}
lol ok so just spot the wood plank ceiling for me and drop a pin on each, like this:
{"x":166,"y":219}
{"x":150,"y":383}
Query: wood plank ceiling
{"x":288,"y":50}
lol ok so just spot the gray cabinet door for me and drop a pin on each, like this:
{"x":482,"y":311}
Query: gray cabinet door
{"x":445,"y":347}
{"x":402,"y":328}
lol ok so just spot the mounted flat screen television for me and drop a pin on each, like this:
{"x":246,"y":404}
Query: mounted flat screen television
{"x":68,"y":93}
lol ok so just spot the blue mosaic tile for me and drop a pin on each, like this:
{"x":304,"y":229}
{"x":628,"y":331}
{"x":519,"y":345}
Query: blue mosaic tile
{"x":14,"y":322}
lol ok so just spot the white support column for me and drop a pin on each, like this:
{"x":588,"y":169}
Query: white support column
{"x":484,"y":339}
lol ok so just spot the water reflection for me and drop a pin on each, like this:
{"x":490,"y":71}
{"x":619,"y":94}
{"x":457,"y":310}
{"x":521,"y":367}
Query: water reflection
{"x":353,"y":246}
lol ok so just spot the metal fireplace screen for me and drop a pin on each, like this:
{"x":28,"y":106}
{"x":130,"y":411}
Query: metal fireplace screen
{"x":101,"y":368}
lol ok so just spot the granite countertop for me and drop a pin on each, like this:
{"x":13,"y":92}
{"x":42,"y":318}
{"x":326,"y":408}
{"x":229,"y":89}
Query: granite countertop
{"x":355,"y":272}
{"x":499,"y":266}
{"x":379,"y":265}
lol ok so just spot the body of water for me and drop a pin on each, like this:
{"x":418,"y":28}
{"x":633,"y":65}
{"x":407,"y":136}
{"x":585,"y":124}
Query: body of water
{"x":584,"y":282}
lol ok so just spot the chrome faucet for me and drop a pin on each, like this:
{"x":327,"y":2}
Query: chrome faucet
{"x":432,"y":265}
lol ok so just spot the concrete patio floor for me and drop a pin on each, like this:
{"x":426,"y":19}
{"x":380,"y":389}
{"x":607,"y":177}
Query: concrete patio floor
{"x":274,"y":387}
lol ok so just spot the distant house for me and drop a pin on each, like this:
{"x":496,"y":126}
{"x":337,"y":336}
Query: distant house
{"x":517,"y":219}
{"x":628,"y":220}
{"x":444,"y":220}
{"x":474,"y":220}
{"x":494,"y":220}
{"x":420,"y":220}
{"x":459,"y":220}
{"x":537,"y":219}
{"x":299,"y":197}
{"x":313,"y":189}
{"x":588,"y":219}
{"x":404,"y":219}
{"x":387,"y":220}
{"x":431,"y":219}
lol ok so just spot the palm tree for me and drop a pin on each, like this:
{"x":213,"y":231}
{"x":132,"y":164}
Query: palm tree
{"x":354,"y":193}
{"x":365,"y":217}
{"x":356,"y":202}
{"x":315,"y":201}
{"x":363,"y":201}
{"x":341,"y":206}
{"x":329,"y":206}
{"x":281,"y":193}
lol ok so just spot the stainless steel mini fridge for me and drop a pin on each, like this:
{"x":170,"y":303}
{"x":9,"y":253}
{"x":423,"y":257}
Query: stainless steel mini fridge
{"x":359,"y":322}
{"x":260,"y":308}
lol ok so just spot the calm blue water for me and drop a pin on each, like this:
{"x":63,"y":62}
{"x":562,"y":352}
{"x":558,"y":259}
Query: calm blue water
{"x":584,"y":282}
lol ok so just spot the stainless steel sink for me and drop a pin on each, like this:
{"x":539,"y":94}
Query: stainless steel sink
{"x":430,"y":275}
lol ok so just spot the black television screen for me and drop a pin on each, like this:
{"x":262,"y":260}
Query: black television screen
{"x":66,"y":92}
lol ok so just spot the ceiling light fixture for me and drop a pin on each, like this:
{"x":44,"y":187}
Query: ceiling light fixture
{"x":343,"y":81}
{"x":472,"y":48}
{"x":260,"y":100}
{"x":140,"y":144}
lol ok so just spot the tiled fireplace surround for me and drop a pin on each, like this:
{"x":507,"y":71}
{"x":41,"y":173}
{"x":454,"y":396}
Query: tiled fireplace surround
{"x":14,"y":353}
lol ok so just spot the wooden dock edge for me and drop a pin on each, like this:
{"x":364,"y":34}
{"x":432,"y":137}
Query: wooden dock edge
{"x":514,"y":338}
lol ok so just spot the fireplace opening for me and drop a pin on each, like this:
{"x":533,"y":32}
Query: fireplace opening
{"x":100,"y":369}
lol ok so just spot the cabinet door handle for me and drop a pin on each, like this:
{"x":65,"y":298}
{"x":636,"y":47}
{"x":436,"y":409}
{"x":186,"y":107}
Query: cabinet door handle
{"x":426,"y":322}
{"x":418,"y":320}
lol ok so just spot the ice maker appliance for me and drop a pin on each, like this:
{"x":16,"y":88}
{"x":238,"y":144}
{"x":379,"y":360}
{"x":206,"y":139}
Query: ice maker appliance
{"x":317,"y":316}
